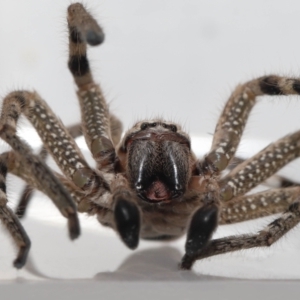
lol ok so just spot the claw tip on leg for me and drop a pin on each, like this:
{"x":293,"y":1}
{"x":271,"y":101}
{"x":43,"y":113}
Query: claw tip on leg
{"x":74,"y":227}
{"x":186,"y":263}
{"x":93,"y":38}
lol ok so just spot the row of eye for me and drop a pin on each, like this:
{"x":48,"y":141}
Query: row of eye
{"x":145,"y":125}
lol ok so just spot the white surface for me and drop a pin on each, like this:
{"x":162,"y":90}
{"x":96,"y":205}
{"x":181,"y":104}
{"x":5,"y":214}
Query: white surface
{"x":177,"y":58}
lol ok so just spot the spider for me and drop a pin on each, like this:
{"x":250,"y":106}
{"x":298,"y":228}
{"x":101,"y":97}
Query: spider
{"x":148,"y":184}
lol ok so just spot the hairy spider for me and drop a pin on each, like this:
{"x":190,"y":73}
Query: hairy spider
{"x":148,"y":184}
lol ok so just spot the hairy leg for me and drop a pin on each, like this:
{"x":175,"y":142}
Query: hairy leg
{"x":260,"y":167}
{"x":235,"y":114}
{"x":258,"y":205}
{"x":227,"y":136}
{"x":83,"y":30}
{"x":10,"y":220}
{"x":266,"y":237}
{"x":75,"y":131}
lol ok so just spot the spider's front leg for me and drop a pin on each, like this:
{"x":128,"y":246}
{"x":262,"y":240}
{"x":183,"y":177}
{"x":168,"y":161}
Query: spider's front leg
{"x":98,"y":124}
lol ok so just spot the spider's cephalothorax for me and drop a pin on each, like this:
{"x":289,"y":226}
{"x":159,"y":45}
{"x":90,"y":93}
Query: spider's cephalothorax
{"x":149,"y":184}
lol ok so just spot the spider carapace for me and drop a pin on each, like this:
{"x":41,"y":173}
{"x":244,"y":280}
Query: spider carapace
{"x":148,"y":184}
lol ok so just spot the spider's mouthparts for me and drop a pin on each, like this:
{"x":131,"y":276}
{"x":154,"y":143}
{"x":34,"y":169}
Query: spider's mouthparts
{"x":158,"y":191}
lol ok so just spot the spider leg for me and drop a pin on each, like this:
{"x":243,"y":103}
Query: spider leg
{"x":38,"y":171}
{"x":266,"y":237}
{"x":97,"y":121}
{"x":13,"y":105}
{"x":55,"y":138}
{"x":227,"y":136}
{"x":275,"y":181}
{"x":232,"y":122}
{"x":83,"y":30}
{"x":11,"y":222}
{"x":75,"y":131}
{"x":28,"y":190}
{"x":258,"y":205}
{"x":260,"y":167}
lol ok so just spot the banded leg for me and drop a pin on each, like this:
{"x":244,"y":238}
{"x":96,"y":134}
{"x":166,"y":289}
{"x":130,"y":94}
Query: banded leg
{"x":10,"y":220}
{"x":269,"y":235}
{"x":231,"y":124}
{"x":263,"y":165}
{"x":83,"y":30}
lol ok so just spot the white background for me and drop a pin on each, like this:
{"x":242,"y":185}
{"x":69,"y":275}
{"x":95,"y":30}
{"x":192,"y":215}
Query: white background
{"x":178,"y":59}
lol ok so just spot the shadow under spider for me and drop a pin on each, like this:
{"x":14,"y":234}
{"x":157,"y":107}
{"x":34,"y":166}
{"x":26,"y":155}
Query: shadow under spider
{"x":155,"y":264}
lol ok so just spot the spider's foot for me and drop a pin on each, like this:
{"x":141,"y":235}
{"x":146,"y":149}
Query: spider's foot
{"x":127,"y":219}
{"x":74,"y":226}
{"x":94,"y":38}
{"x":186,"y":262}
{"x":201,"y":229}
{"x":20,"y":261}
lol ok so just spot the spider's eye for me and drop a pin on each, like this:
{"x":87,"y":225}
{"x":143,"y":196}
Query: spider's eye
{"x":164,"y":125}
{"x":153,"y":124}
{"x":173,"y":128}
{"x":144,"y":126}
